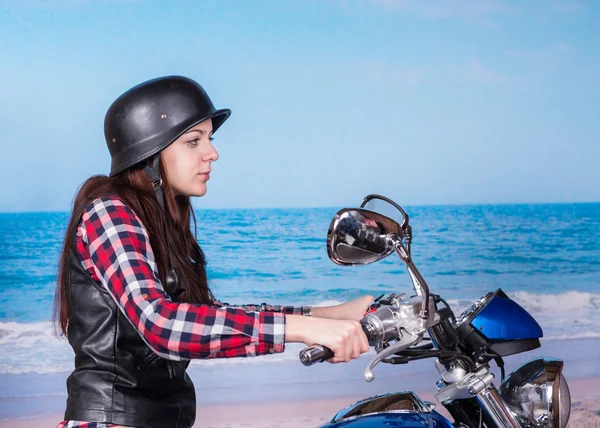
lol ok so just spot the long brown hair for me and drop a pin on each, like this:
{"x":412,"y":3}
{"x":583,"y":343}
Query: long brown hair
{"x":170,"y":233}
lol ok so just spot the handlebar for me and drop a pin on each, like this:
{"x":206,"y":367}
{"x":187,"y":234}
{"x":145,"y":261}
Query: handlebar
{"x":315,"y":354}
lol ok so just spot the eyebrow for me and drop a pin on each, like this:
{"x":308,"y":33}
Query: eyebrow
{"x":200,"y":131}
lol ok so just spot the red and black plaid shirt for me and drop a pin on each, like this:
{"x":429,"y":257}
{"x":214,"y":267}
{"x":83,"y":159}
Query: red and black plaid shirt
{"x":115,"y":249}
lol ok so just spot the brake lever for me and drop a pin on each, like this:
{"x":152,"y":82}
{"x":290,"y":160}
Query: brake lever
{"x":405,"y":342}
{"x":416,"y":349}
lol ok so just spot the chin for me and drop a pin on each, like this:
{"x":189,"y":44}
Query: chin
{"x":192,"y":191}
{"x":199,"y":192}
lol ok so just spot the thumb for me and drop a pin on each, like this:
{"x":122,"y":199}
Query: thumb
{"x":367,"y":300}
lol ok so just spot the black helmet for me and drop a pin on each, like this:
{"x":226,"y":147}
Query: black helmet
{"x":150,"y":116}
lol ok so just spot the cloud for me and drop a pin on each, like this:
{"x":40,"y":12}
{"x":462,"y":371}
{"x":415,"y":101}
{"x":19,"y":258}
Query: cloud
{"x":484,"y":12}
{"x":59,"y":4}
{"x":553,"y":52}
{"x":476,"y":71}
{"x":568,"y":6}
{"x":480,"y":11}
{"x":378,"y":71}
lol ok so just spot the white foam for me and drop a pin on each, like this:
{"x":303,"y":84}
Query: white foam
{"x":583,"y":335}
{"x":34,"y":347}
{"x":568,"y":302}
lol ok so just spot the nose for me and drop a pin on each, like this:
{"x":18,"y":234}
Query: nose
{"x":212,"y":155}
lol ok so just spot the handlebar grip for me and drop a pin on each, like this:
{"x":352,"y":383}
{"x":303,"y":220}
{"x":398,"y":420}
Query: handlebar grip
{"x":315,"y":354}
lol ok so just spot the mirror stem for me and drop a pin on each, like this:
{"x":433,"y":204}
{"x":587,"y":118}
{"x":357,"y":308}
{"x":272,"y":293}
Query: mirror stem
{"x":415,"y":282}
{"x":418,"y":281}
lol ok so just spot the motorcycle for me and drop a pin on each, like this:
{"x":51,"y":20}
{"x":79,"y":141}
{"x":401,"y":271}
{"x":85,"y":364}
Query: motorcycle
{"x":403,"y":329}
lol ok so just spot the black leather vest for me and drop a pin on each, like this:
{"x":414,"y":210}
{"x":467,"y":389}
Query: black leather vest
{"x":117,"y":378}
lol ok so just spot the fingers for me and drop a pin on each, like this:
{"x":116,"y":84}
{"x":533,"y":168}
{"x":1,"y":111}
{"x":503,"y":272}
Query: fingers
{"x":357,"y":345}
{"x":350,"y":344}
{"x":343,"y":343}
{"x":344,"y":337}
{"x":364,"y":342}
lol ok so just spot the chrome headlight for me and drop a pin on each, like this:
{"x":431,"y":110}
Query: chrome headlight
{"x":537,"y":394}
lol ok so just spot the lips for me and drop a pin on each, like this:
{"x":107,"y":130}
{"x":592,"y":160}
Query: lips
{"x":205,"y":176}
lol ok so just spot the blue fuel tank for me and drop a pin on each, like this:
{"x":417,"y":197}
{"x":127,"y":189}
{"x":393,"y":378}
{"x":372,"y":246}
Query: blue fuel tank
{"x":397,"y":409}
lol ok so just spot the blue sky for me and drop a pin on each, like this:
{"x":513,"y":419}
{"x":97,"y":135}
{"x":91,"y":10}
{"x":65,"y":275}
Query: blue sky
{"x":427,"y":102}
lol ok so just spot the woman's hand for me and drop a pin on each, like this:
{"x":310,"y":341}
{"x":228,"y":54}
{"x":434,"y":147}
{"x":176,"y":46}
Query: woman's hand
{"x":345,"y":338}
{"x":352,"y":310}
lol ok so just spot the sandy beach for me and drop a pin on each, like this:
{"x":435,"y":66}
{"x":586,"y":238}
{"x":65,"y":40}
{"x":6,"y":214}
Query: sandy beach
{"x":278,"y":391}
{"x":312,"y":413}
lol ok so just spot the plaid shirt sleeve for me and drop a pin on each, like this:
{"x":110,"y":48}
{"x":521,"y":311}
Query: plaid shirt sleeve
{"x":288,"y":310}
{"x":115,"y":248}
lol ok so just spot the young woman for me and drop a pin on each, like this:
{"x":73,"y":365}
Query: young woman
{"x":132,"y":294}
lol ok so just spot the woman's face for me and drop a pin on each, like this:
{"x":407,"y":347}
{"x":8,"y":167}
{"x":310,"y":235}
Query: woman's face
{"x":188,"y":160}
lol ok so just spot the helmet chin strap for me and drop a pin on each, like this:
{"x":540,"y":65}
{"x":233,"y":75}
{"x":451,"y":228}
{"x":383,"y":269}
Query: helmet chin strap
{"x":153,"y":173}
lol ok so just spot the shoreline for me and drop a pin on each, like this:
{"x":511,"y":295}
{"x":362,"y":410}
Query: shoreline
{"x":585,"y":411}
{"x":261,"y":393}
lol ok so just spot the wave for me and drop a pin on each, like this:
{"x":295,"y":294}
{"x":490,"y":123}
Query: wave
{"x":569,"y":302}
{"x":578,"y":336}
{"x":35,"y":348}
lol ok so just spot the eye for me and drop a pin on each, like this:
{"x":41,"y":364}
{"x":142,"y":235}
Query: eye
{"x":194,"y":142}
{"x":211,"y":138}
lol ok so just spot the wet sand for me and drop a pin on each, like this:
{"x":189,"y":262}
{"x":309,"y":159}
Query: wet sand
{"x":263,"y":393}
{"x":312,"y":413}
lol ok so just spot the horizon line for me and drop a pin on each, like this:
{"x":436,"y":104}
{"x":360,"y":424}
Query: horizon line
{"x":451,"y":204}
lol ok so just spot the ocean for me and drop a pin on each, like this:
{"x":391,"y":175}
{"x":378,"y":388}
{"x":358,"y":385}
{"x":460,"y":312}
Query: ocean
{"x":546,"y":257}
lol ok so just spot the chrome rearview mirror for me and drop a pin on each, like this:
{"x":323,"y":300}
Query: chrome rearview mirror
{"x":385,"y":206}
{"x":358,"y":237}
{"x":382,"y":205}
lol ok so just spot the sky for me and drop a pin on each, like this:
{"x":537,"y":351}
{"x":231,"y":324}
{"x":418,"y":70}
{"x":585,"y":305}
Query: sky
{"x":426,"y":102}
